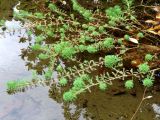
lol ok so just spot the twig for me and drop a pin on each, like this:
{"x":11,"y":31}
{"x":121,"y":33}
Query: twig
{"x":141,"y":2}
{"x":143,"y":98}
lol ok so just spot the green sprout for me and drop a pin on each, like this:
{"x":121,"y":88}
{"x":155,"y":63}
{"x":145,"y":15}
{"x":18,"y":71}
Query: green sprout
{"x":101,"y":29}
{"x":78,"y":83}
{"x":108,"y":43}
{"x":129,"y":84}
{"x":29,"y":32}
{"x":82,"y":48}
{"x":52,"y":7}
{"x":84,"y":38}
{"x":148,"y":57}
{"x":63,"y":81}
{"x":59,"y":68}
{"x":36,"y":47}
{"x":140,"y":35}
{"x":48,"y":74}
{"x":126,"y":37}
{"x":39,"y":38}
{"x":115,"y":14}
{"x":111,"y":60}
{"x":60,"y":18}
{"x":91,"y":28}
{"x":50,"y":33}
{"x":102,"y":86}
{"x":85,"y":13}
{"x":22,"y":14}
{"x":94,"y":33}
{"x":143,"y":68}
{"x":69,"y":96}
{"x":68,"y":52}
{"x":65,"y":49}
{"x":120,"y":41}
{"x":43,"y":56}
{"x":91,"y":49}
{"x":40,"y":27}
{"x":85,"y":77}
{"x":39,"y":15}
{"x":84,"y":26}
{"x":148,"y":82}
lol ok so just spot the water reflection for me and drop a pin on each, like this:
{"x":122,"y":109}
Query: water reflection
{"x":34,"y":104}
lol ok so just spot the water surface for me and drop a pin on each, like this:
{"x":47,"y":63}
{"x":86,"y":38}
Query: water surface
{"x":42,"y":103}
{"x":34,"y":104}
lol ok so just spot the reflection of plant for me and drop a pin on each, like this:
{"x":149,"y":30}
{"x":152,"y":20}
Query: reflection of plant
{"x":75,"y":39}
{"x":2,"y":22}
{"x":14,"y":85}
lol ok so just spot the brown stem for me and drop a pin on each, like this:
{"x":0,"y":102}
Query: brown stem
{"x":143,"y":98}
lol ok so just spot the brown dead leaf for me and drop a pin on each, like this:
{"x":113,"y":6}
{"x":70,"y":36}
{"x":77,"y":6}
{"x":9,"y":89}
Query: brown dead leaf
{"x":159,"y":32}
{"x":156,"y":8}
{"x":152,"y":22}
{"x":150,"y":48}
{"x":158,"y":17}
{"x":157,"y":27}
{"x":153,"y":32}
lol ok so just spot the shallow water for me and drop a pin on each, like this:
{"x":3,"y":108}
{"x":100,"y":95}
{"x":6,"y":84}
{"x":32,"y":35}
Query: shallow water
{"x":34,"y":104}
{"x":39,"y":104}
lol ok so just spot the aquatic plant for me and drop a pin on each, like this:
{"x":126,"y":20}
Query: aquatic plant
{"x":148,"y":57}
{"x":69,"y":96}
{"x":148,"y":82}
{"x":143,"y":68}
{"x":129,"y":84}
{"x":126,"y":37}
{"x":85,"y":13}
{"x":85,"y":41}
{"x":63,"y":81}
{"x":140,"y":35}
{"x":115,"y":14}
{"x":109,"y":43}
{"x":111,"y":61}
{"x":102,"y":86}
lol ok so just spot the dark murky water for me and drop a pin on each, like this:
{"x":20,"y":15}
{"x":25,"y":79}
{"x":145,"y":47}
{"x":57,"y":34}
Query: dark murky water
{"x":37,"y":103}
